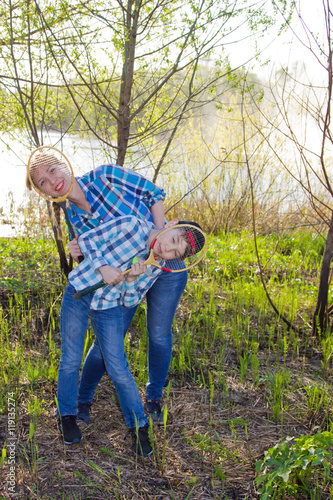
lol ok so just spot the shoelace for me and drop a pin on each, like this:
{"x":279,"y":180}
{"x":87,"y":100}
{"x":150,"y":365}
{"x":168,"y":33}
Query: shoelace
{"x":138,"y":434}
{"x":69,"y":421}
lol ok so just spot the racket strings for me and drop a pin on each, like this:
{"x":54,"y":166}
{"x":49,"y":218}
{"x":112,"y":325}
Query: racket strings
{"x":50,"y":173}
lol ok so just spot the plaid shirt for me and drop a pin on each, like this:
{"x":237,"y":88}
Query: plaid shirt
{"x":115,"y":243}
{"x":113,"y":191}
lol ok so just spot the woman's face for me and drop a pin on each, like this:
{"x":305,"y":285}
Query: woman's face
{"x":52,"y":180}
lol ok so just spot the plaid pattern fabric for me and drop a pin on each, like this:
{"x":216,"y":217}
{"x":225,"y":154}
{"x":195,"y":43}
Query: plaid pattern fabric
{"x":115,"y":243}
{"x":113,"y":191}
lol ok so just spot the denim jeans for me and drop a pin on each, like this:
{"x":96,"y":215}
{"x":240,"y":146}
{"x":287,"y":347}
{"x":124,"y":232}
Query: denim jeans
{"x":109,"y":330}
{"x":162,"y":302}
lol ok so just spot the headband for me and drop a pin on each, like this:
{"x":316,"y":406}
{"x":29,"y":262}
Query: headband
{"x":190,"y":237}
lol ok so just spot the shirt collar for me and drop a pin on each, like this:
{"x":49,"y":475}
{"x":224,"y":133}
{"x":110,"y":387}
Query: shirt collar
{"x":75,"y":209}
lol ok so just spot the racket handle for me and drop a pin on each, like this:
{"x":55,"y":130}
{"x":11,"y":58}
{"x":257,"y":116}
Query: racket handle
{"x":90,"y":289}
{"x":80,"y":258}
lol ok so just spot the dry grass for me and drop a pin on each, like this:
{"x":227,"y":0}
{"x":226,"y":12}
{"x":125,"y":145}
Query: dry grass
{"x":68,"y":472}
{"x":210,"y":449}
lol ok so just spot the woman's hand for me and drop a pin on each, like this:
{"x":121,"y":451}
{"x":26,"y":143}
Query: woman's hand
{"x":74,"y":248}
{"x":111,"y":275}
{"x":171,"y":223}
{"x":136,"y":269}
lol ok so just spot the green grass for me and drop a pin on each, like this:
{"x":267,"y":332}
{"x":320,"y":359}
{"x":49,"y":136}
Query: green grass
{"x":237,"y":373}
{"x":27,"y":265}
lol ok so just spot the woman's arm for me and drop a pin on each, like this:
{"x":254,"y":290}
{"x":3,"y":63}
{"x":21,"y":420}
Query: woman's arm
{"x":157,"y":212}
{"x":134,"y":183}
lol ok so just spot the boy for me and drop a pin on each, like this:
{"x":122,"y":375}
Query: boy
{"x":109,"y":249}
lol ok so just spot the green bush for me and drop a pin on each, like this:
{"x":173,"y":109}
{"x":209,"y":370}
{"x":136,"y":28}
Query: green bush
{"x":291,"y":467}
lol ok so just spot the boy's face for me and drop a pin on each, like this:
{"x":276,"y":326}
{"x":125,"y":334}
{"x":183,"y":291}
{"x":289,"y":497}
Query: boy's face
{"x":52,"y":180}
{"x":170,"y":245}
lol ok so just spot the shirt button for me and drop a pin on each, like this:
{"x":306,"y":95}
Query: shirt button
{"x":101,"y":222}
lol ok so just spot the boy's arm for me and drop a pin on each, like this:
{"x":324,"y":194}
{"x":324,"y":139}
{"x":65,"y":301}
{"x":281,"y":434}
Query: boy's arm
{"x":130,"y":295}
{"x":111,"y":275}
{"x":114,"y":236}
{"x":134,"y":291}
{"x":91,"y":242}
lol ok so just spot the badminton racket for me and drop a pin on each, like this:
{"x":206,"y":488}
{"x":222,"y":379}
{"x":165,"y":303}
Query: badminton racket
{"x":51,"y":175}
{"x":196,"y":247}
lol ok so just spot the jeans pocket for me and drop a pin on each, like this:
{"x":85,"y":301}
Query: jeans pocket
{"x":70,"y":290}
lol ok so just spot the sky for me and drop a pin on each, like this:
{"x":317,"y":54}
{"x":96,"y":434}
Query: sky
{"x":286,"y":49}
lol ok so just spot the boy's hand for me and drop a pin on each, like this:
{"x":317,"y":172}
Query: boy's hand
{"x":74,"y":248}
{"x":136,"y":269}
{"x":111,"y":275}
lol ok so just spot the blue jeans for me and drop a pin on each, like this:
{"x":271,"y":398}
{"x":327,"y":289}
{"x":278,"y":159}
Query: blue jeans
{"x":162,"y":302}
{"x":109,"y":330}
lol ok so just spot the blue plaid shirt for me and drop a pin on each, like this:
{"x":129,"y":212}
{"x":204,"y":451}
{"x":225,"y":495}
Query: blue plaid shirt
{"x":113,"y":191}
{"x":115,"y":243}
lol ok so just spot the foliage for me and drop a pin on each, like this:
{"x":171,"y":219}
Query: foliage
{"x":299,"y":104}
{"x":125,"y":74}
{"x":290,"y":467}
{"x":25,"y":266}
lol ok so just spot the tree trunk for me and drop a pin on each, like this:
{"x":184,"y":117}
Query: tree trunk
{"x":320,"y":314}
{"x":124,"y":111}
{"x":65,"y":266}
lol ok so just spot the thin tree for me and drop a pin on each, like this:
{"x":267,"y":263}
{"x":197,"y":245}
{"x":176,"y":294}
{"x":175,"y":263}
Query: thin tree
{"x":154,"y":70}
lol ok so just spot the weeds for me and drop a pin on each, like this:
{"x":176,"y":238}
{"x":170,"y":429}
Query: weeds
{"x":238,"y":382}
{"x":296,"y":467}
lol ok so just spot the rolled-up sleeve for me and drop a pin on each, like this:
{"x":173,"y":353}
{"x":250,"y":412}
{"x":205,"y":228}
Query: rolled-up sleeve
{"x":153,"y":197}
{"x":135,"y":184}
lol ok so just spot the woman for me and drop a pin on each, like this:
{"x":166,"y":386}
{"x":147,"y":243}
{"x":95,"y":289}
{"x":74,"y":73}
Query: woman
{"x":98,"y":196}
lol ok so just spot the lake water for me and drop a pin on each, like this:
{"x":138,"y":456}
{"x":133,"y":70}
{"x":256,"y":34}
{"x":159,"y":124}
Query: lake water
{"x":84,"y":155}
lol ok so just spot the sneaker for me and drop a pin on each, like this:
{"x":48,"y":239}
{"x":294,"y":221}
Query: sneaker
{"x":83,"y":414}
{"x":154,"y":408}
{"x":141,"y":443}
{"x":69,"y":429}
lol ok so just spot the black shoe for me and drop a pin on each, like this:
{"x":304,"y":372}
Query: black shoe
{"x":154,"y":408}
{"x":141,"y":443}
{"x":84,"y":412}
{"x":69,"y":429}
